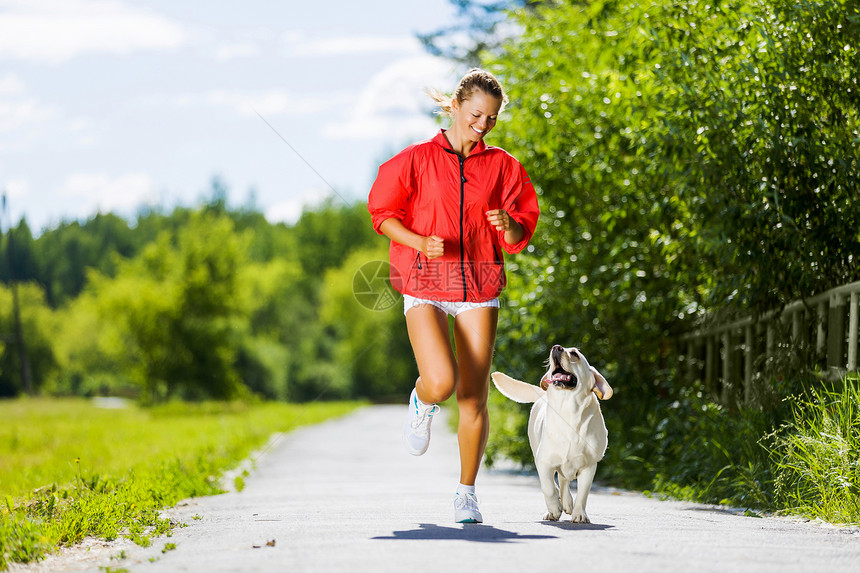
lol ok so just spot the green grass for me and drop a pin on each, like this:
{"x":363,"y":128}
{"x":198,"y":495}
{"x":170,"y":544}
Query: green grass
{"x":816,"y":455}
{"x":69,"y":469}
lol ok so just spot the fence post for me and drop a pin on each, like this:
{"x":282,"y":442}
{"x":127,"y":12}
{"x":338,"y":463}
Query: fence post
{"x":748,"y":363}
{"x":710,"y":364}
{"x":795,"y":326}
{"x":771,"y":340}
{"x":727,"y":365}
{"x":836,"y":332}
{"x":821,"y":339}
{"x":691,"y":372}
{"x":852,"y":333}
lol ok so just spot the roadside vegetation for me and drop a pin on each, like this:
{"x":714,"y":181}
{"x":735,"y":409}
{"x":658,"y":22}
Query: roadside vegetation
{"x":816,"y":455}
{"x":69,"y":469}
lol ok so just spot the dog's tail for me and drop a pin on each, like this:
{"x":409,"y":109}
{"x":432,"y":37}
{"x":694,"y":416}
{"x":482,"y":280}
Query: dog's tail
{"x":517,"y":391}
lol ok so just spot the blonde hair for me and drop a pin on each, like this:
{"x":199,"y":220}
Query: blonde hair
{"x":474,"y":80}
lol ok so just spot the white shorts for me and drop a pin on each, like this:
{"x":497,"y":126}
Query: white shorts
{"x":452,"y":308}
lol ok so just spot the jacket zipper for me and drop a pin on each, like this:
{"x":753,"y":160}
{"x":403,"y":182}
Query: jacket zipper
{"x":497,"y":255}
{"x":462,"y":245}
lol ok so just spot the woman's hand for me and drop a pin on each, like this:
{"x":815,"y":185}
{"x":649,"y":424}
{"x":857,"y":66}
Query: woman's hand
{"x":501,"y":221}
{"x":433,"y":246}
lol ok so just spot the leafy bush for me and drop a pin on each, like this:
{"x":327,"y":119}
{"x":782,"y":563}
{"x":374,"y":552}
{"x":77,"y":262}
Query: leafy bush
{"x":689,"y":160}
{"x":694,"y":449}
{"x":371,"y":355}
{"x":688,"y":448}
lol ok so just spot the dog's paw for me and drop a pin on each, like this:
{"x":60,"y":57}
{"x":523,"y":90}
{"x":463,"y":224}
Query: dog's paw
{"x":553,"y":508}
{"x":579,"y":516}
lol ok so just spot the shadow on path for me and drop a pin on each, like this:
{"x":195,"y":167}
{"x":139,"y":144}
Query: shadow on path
{"x":469,"y":532}
{"x":571,"y":526}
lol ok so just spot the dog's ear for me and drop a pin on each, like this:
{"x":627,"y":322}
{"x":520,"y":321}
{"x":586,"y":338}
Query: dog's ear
{"x":601,"y":386}
{"x":516,"y":390}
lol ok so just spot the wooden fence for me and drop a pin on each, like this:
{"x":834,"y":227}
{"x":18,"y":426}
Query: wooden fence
{"x":726,"y":356}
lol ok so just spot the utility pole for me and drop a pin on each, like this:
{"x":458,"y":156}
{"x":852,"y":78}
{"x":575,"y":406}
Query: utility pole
{"x":23,"y":360}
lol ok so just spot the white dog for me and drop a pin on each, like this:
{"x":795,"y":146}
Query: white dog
{"x":566,"y":429}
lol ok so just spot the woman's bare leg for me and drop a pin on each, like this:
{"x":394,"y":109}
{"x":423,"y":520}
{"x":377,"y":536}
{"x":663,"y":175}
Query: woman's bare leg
{"x":437,"y":368}
{"x":474,"y":337}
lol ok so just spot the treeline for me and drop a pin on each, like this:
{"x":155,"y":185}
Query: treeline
{"x":205,"y":302}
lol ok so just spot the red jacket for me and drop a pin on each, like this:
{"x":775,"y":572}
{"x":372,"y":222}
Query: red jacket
{"x":434,"y":191}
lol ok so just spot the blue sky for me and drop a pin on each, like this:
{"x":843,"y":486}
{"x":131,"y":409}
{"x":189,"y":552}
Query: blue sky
{"x":107,"y":105}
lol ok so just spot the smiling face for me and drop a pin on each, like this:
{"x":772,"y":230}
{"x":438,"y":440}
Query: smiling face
{"x":474,"y":117}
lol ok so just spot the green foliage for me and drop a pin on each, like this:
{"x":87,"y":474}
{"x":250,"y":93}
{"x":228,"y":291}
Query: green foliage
{"x":16,"y":255}
{"x":179,"y":308}
{"x":328,"y":233}
{"x":765,"y":111}
{"x":108,"y":472}
{"x":689,"y":158}
{"x":64,"y":254}
{"x":277,"y":298}
{"x":694,"y":449}
{"x":371,"y":356}
{"x":37,"y":325}
{"x":206,"y":302}
{"x":688,"y":448}
{"x":89,"y":352}
{"x":509,"y":431}
{"x":816,"y":454}
{"x":649,"y":128}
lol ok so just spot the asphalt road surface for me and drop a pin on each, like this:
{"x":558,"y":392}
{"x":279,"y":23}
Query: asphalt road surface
{"x":345,"y":496}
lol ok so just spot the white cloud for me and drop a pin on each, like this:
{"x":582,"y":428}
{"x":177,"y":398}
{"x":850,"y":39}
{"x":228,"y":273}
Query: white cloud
{"x":266,"y":102}
{"x":19,"y":112}
{"x":18,"y":107}
{"x":54,"y":31}
{"x":236,"y":50}
{"x":82,"y":132}
{"x":11,"y":84}
{"x":297,"y":44}
{"x":232,"y":43}
{"x":393,"y":104}
{"x":101,"y":192}
{"x":290,"y":210}
{"x":16,"y":188}
{"x":22,"y":115}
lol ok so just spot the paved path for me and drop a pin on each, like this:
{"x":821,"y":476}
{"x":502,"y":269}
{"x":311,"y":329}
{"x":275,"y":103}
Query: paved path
{"x":345,"y":496}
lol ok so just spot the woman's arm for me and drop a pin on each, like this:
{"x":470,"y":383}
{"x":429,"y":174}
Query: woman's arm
{"x":395,"y":230}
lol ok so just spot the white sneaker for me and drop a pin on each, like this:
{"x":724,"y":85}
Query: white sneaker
{"x":466,"y":509}
{"x":416,"y":431}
